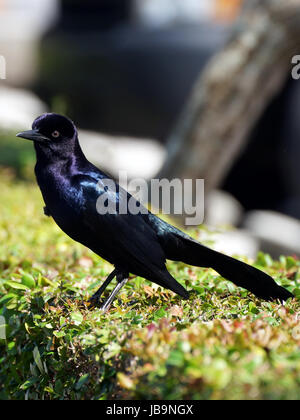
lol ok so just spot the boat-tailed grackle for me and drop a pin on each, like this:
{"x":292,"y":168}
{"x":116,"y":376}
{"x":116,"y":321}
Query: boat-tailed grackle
{"x":133,"y":243}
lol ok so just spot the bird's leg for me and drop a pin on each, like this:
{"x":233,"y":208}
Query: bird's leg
{"x":122,"y":280}
{"x":96,"y":296}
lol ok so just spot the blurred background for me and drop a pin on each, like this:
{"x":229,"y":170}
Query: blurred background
{"x":124,"y":71}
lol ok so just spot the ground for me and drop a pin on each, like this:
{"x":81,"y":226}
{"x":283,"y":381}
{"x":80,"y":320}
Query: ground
{"x":222,"y":343}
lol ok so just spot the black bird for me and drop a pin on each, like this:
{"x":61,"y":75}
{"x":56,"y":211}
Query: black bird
{"x":132,"y":243}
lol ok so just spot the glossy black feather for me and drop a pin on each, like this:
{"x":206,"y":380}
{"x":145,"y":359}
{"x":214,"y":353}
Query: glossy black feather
{"x":138,"y":244}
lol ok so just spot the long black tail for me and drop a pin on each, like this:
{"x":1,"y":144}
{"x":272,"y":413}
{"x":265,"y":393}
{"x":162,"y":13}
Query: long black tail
{"x":191,"y":252}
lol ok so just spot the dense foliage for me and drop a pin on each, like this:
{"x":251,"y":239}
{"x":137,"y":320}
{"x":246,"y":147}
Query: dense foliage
{"x":222,"y":343}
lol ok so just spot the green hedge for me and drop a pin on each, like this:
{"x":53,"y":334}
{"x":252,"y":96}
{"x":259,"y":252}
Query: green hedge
{"x":222,"y":343}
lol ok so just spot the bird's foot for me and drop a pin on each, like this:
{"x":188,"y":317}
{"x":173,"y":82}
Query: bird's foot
{"x":94,"y":302}
{"x":107,"y":304}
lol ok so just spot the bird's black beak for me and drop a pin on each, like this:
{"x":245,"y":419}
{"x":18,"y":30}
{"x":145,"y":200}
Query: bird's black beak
{"x":33,"y":135}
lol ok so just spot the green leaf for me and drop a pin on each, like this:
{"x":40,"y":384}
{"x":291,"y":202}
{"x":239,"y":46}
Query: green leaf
{"x":297,"y":293}
{"x":38,"y":360}
{"x":253,"y":308}
{"x":16,"y":285}
{"x":290,"y":262}
{"x":59,"y":334}
{"x":159,"y":314}
{"x":28,"y":281}
{"x":264,"y":260}
{"x":77,"y":318}
{"x":7,"y":298}
{"x":28,"y":384}
{"x":83,"y":380}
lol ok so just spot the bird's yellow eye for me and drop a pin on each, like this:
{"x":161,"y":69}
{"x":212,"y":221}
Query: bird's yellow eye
{"x":55,"y":134}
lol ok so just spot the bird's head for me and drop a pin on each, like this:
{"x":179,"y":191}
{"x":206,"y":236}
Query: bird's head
{"x":52,"y":131}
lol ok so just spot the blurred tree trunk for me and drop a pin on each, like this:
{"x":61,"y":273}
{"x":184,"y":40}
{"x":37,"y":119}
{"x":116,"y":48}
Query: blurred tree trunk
{"x":234,"y":91}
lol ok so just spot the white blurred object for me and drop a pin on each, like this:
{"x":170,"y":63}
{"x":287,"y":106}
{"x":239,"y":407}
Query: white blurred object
{"x":279,"y":234}
{"x":18,"y":108}
{"x":222,"y":209}
{"x":22,"y":23}
{"x":26,"y":18}
{"x":139,"y":158}
{"x":165,"y":12}
{"x":233,"y":242}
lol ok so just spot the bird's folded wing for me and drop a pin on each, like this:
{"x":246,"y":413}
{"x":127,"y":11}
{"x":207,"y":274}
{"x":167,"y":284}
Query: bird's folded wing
{"x":129,"y":236}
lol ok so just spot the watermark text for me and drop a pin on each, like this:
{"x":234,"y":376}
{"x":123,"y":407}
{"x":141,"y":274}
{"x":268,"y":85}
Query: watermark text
{"x":161,"y":196}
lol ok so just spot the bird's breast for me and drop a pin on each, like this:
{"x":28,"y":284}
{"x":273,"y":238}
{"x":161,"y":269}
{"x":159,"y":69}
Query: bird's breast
{"x":61,"y":198}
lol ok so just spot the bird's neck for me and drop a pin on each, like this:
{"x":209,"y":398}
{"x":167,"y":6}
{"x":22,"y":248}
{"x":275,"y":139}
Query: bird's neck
{"x":70,"y":157}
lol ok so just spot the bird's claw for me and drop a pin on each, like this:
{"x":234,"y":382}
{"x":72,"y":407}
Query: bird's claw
{"x":93,"y":302}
